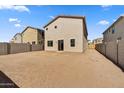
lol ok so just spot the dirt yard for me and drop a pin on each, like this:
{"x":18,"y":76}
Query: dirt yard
{"x":52,"y":69}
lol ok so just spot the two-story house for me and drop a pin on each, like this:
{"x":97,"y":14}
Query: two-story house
{"x":33,"y":35}
{"x":66,"y":33}
{"x":17,"y":38}
{"x":97,"y":41}
{"x":115,"y":31}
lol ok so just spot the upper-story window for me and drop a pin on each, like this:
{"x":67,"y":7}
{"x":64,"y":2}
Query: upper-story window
{"x":46,"y":28}
{"x":113,"y":30}
{"x":55,"y":27}
{"x":109,"y":30}
{"x":15,"y":38}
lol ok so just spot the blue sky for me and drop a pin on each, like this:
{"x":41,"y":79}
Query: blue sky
{"x":14,"y":19}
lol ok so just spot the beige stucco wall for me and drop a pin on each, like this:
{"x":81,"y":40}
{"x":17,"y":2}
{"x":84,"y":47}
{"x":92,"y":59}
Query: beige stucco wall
{"x":119,"y":32}
{"x":17,"y":39}
{"x":85,"y":43}
{"x":97,"y":41}
{"x":119,"y":29}
{"x":41,"y":37}
{"x":67,"y":28}
{"x":30,"y":35}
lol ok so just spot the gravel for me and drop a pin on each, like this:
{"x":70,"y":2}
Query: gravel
{"x":61,"y":70}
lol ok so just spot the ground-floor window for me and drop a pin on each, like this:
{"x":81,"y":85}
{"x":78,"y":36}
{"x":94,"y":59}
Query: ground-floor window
{"x":72,"y":42}
{"x":33,"y":42}
{"x":40,"y":42}
{"x":50,"y":43}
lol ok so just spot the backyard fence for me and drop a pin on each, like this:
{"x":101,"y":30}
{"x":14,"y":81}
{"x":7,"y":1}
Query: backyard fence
{"x":12,"y":48}
{"x":113,"y":50}
{"x":3,"y":48}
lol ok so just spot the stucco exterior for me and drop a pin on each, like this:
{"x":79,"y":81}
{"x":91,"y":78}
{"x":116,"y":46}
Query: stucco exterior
{"x":67,"y":28}
{"x":98,"y":40}
{"x":115,"y":31}
{"x":33,"y":36}
{"x":113,"y":46}
{"x":17,"y":38}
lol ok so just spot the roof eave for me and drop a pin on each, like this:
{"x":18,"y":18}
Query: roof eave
{"x":62,"y":16}
{"x":32,"y":28}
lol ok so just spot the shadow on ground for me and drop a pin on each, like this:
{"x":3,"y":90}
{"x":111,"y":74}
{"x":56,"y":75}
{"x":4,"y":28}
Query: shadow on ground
{"x":6,"y":82}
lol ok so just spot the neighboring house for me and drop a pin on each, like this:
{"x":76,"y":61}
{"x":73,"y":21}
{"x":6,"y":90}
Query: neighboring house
{"x":33,"y":35}
{"x":17,"y":38}
{"x":115,"y":31}
{"x":97,"y":41}
{"x":66,"y":33}
{"x":90,"y":44}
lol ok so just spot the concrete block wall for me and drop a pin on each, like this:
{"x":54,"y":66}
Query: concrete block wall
{"x":12,"y":48}
{"x":3,"y":48}
{"x":111,"y":51}
{"x":100,"y":48}
{"x":114,"y":51}
{"x":36,"y":47}
{"x":19,"y":47}
{"x":103,"y":49}
{"x":121,"y":53}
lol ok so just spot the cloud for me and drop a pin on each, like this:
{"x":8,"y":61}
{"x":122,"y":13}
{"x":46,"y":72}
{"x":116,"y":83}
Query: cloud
{"x":105,"y":6}
{"x":19,"y":8}
{"x":17,"y":25}
{"x":14,"y":20}
{"x":114,"y":20}
{"x":122,"y":14}
{"x":52,"y":17}
{"x":103,"y":22}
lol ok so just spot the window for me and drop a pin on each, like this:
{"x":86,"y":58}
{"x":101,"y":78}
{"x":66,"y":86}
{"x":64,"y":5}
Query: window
{"x":119,"y":38}
{"x":33,"y":42}
{"x":39,"y":42}
{"x":109,"y":30}
{"x":15,"y":38}
{"x":46,"y":28}
{"x":55,"y":27}
{"x":50,"y":43}
{"x":42,"y":33}
{"x":72,"y":42}
{"x":28,"y":42}
{"x":113,"y":30}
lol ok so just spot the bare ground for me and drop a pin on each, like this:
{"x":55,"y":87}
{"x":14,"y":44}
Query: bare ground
{"x":52,"y":69}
